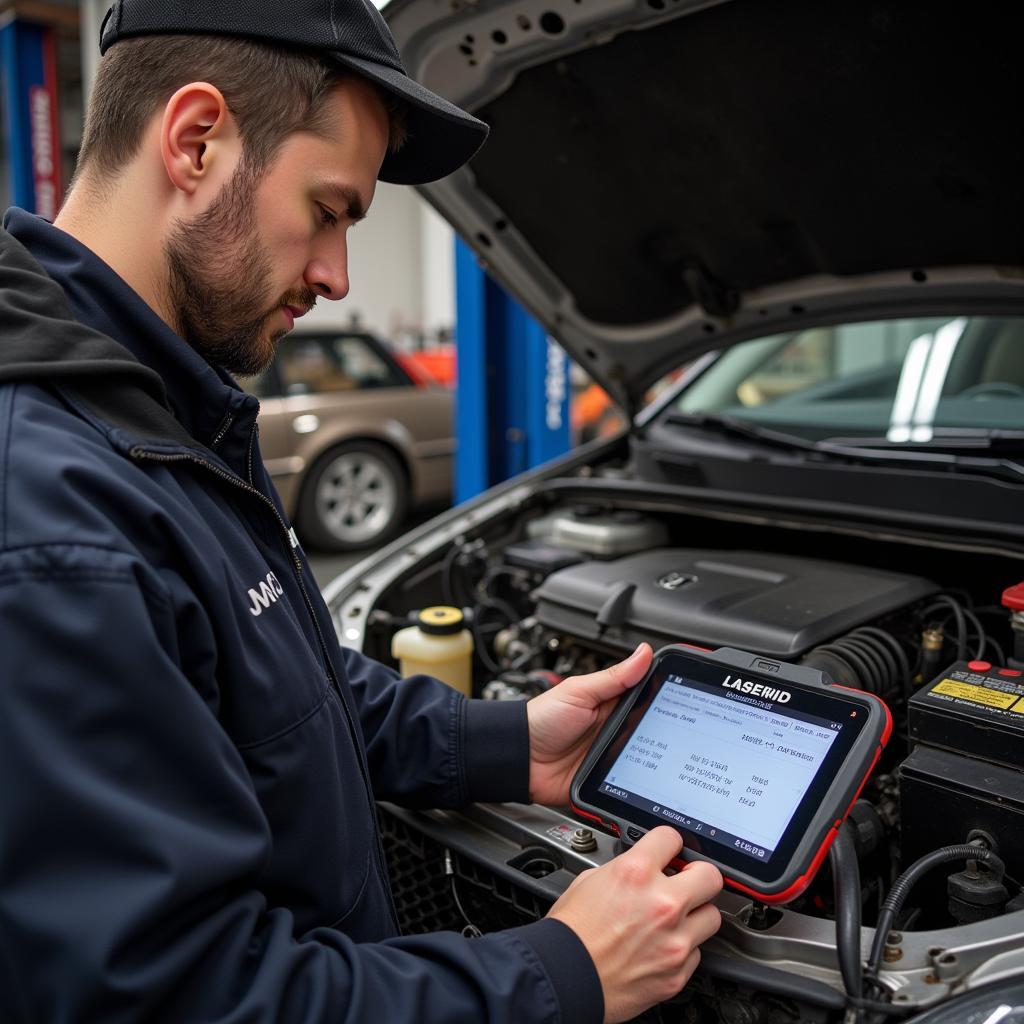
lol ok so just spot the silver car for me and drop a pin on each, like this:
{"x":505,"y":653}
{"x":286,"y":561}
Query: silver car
{"x":820,"y":205}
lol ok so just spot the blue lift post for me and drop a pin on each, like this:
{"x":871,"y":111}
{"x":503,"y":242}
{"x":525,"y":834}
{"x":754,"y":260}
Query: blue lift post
{"x":28,"y":82}
{"x":512,"y":399}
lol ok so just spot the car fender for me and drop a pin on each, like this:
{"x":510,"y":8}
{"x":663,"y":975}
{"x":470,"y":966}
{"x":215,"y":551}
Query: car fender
{"x":389,"y":433}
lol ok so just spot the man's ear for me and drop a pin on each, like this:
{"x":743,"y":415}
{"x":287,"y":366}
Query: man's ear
{"x":196,"y":128}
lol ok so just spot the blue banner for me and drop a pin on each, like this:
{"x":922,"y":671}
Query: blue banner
{"x":28,"y":66}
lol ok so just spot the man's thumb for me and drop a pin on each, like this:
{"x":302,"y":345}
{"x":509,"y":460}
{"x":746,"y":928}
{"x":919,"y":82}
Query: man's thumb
{"x":615,"y":680}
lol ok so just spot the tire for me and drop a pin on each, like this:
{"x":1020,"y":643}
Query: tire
{"x":356,"y":496}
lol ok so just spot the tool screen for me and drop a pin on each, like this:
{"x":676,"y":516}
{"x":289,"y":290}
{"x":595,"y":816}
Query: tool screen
{"x":752,"y":769}
{"x":731,"y":771}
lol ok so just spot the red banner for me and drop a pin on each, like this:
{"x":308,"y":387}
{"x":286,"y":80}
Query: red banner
{"x":45,"y":134}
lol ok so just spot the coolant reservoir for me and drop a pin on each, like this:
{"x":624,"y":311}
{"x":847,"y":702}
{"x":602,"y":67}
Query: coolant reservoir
{"x":439,"y":645}
{"x":605,"y":534}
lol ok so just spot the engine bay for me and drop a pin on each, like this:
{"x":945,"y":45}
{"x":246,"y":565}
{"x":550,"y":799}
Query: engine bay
{"x":565,"y":587}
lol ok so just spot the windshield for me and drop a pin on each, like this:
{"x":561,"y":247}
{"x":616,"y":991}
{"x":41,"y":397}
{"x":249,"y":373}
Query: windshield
{"x":902,"y":381}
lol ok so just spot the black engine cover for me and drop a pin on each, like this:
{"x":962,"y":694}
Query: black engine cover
{"x":765,"y":603}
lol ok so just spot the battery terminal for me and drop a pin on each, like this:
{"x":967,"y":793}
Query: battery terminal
{"x":583,"y":841}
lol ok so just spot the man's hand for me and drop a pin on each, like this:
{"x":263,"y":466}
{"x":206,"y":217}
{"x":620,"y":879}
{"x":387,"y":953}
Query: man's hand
{"x":641,"y":927}
{"x":565,"y":721}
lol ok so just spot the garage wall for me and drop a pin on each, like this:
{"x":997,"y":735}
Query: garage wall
{"x":401,"y":269}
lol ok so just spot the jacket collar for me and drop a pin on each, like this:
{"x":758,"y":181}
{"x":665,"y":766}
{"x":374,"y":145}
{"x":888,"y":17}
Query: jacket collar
{"x":203,"y":399}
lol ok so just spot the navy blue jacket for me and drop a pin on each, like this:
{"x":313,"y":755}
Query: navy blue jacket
{"x":187,"y":828}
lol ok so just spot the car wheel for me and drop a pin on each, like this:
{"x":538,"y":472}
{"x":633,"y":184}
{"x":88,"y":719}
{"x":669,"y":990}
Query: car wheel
{"x":356,"y":496}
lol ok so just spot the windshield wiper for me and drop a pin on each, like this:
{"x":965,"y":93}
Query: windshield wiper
{"x":992,"y":453}
{"x":954,"y":440}
{"x":732,"y":426}
{"x":952,"y":450}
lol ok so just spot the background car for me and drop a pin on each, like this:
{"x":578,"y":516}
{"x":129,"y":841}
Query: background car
{"x":351,"y":438}
{"x":819,"y":206}
{"x":436,"y":363}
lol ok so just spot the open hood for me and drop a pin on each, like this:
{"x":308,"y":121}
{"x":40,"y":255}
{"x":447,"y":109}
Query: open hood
{"x":664,"y":177}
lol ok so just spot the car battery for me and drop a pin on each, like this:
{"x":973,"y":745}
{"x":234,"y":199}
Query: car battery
{"x":965,"y":775}
{"x":944,"y":798}
{"x":973,"y":708}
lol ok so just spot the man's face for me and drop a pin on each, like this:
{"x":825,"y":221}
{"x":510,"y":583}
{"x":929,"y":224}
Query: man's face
{"x":264,"y":250}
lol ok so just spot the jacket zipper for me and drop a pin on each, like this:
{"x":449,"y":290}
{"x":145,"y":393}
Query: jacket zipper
{"x":248,"y":462}
{"x":141,"y":453}
{"x":224,"y":428}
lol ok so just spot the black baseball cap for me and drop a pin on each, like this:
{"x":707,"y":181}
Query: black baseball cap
{"x":441,"y":137}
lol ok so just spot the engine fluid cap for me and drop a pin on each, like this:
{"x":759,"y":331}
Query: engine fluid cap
{"x":441,"y":620}
{"x":1013,"y":597}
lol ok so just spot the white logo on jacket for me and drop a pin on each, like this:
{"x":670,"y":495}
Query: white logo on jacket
{"x":270,"y":590}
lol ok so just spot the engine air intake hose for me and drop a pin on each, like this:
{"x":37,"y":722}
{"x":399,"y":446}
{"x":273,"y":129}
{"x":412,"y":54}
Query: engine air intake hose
{"x":868,"y":658}
{"x":901,"y":889}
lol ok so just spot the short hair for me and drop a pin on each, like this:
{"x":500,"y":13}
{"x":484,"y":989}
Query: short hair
{"x":273,"y":91}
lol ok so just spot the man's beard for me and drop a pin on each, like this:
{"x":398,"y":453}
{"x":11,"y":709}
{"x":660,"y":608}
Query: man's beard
{"x":219,"y":275}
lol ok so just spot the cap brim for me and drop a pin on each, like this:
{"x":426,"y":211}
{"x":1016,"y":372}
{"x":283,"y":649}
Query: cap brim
{"x":440,"y":138}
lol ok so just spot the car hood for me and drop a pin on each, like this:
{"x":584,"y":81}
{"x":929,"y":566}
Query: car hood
{"x":666,"y":177}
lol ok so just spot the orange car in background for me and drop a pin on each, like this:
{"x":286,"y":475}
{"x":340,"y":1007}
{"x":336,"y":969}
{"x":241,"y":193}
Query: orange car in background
{"x":435,"y":365}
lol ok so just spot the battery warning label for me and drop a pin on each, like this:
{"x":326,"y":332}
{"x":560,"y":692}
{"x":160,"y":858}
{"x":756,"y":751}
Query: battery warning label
{"x":973,"y":711}
{"x":978,"y":694}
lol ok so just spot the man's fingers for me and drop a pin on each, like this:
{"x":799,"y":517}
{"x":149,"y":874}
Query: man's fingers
{"x":702,"y":923}
{"x":660,"y":922}
{"x":702,"y":880}
{"x":684,"y":976}
{"x":615,"y":680}
{"x":658,"y":847}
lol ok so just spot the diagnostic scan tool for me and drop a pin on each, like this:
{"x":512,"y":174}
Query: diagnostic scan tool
{"x":755,"y":762}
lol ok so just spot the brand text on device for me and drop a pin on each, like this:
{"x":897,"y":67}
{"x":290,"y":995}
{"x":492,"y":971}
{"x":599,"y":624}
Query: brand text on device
{"x":757,"y":689}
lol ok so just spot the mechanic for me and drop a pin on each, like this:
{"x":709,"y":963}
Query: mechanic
{"x":187,"y":824}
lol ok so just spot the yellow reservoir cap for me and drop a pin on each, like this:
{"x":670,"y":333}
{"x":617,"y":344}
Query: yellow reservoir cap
{"x":441,"y":620}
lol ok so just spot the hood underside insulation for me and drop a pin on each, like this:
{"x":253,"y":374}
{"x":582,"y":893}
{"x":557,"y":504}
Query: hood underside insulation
{"x":749,"y":144}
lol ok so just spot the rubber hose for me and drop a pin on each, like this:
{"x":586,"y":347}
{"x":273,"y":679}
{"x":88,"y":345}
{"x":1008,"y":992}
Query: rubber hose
{"x":901,"y":889}
{"x":862,"y":666}
{"x":856,"y":673}
{"x":890,"y":669}
{"x":904,"y":673}
{"x":846,"y":885}
{"x":874,"y":658}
